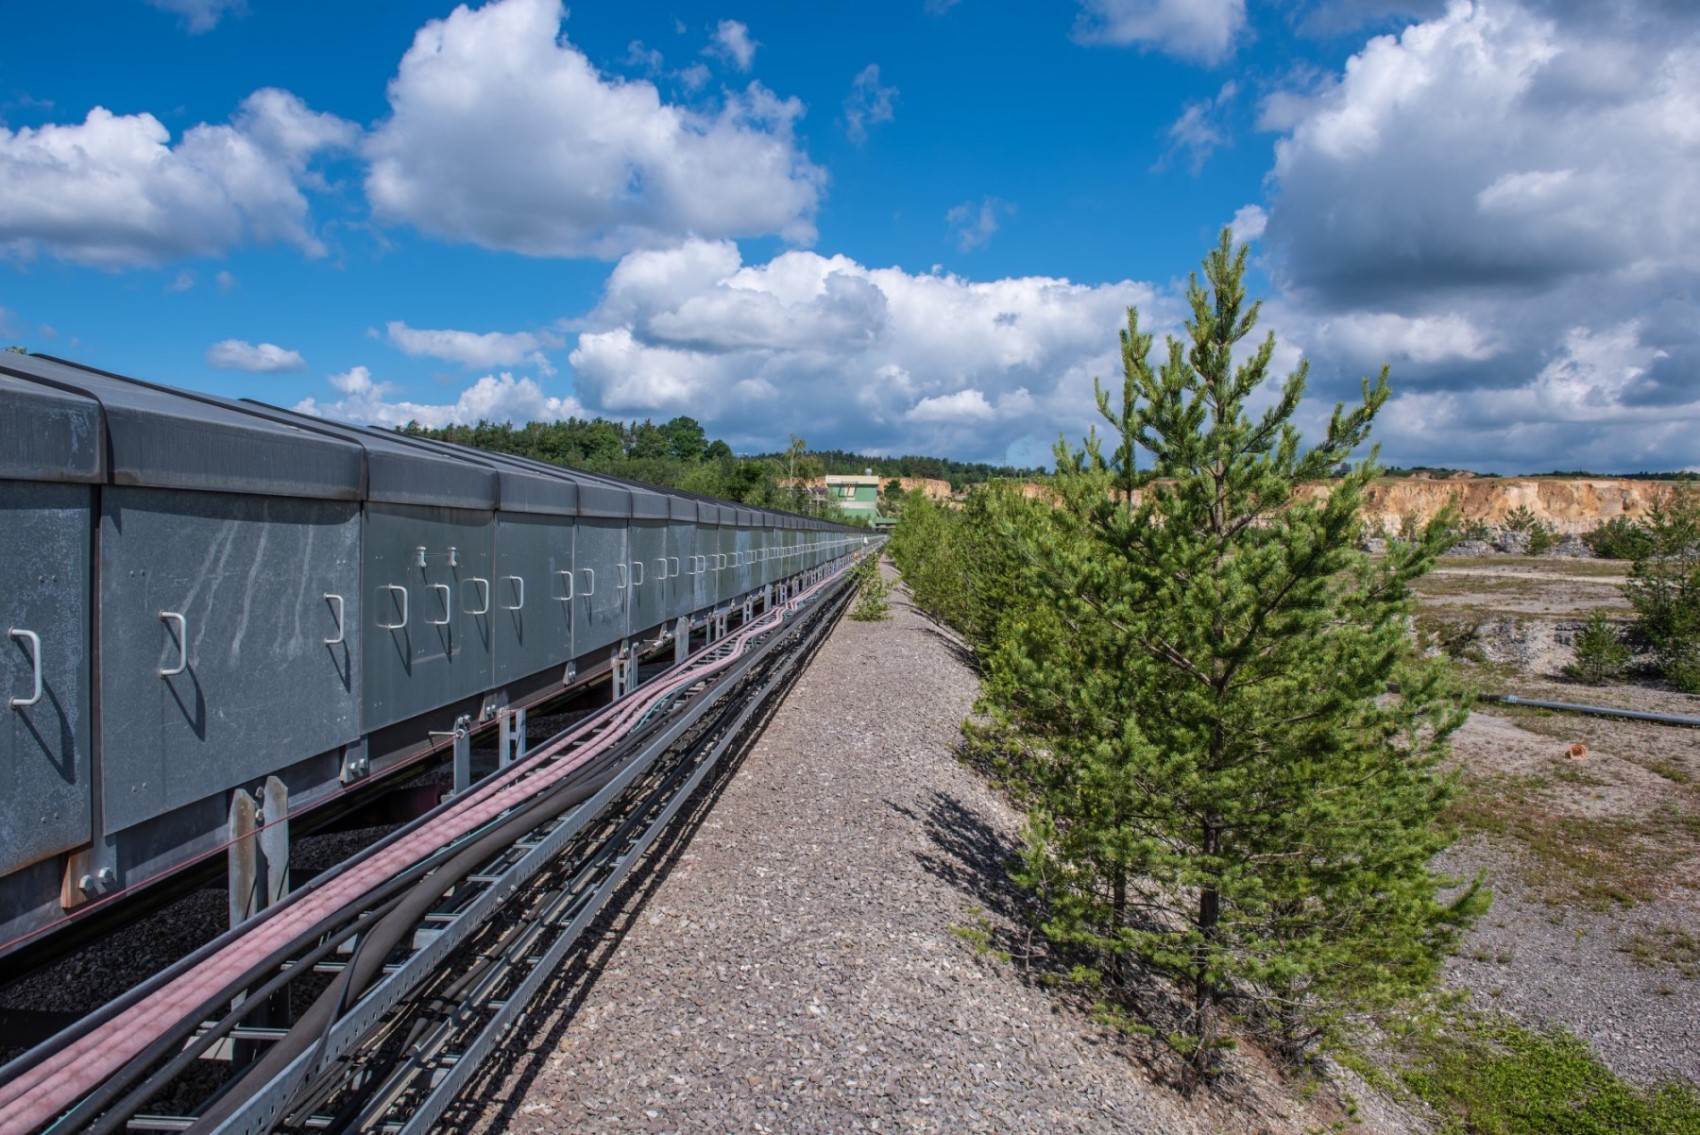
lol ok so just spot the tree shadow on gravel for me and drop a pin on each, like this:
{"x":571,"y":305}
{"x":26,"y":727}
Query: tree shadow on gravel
{"x":978,"y":860}
{"x":943,"y":632}
{"x":959,"y":650}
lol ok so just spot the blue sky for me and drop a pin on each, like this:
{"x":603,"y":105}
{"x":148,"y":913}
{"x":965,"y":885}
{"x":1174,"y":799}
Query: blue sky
{"x":898,"y":225}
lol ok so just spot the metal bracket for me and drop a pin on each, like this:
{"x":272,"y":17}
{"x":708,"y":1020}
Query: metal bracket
{"x":511,"y":743}
{"x":462,"y":733}
{"x":356,"y":765}
{"x":259,"y":849}
{"x":84,"y":880}
{"x":421,"y":554}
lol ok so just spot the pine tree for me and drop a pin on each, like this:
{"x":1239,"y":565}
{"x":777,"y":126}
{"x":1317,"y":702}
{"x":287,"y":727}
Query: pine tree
{"x":1232,"y":798}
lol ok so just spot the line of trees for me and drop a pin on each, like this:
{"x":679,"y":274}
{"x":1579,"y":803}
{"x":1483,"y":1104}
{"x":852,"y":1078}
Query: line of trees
{"x":1207,"y":700}
{"x":675,"y":454}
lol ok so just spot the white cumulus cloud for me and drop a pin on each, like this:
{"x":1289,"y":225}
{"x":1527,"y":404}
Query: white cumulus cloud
{"x":475,"y":350}
{"x":493,"y":398}
{"x":200,"y":15}
{"x":1498,"y":201}
{"x":1202,"y":30}
{"x":868,"y":104}
{"x":113,"y":191}
{"x":973,"y":225}
{"x":261,"y":358}
{"x":503,"y":134}
{"x":731,"y":41}
{"x":840,"y":352}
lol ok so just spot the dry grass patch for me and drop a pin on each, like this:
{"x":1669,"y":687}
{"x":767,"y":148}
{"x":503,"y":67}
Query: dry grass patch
{"x":1599,"y":861}
{"x":1666,"y":946}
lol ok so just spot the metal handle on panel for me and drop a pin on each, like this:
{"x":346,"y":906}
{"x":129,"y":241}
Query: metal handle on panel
{"x":448,"y":612}
{"x":519,"y":593}
{"x":332,"y":597}
{"x":589,"y":582}
{"x":35,"y":664}
{"x":637,"y":573}
{"x":675,"y":560}
{"x":568,"y":576}
{"x":182,"y":643}
{"x":402,"y":591}
{"x":621,"y":566}
{"x":484,"y":587}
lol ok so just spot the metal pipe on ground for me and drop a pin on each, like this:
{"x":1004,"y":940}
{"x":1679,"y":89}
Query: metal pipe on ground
{"x":1595,"y":710}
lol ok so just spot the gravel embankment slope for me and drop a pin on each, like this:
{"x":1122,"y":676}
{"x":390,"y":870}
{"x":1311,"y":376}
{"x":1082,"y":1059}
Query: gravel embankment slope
{"x":796,"y":970}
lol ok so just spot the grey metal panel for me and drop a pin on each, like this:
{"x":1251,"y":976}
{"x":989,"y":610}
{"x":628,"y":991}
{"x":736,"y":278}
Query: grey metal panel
{"x":599,"y":606}
{"x":596,"y":498}
{"x":705,"y":543}
{"x":683,"y":508}
{"x":744,"y":571}
{"x":681,"y":546}
{"x":48,"y":434}
{"x":430,"y":598}
{"x":649,"y":505}
{"x":764,"y":556}
{"x":726,"y":542}
{"x":646,"y":550}
{"x":400,"y":469}
{"x":46,"y":539}
{"x":532,"y":611}
{"x":708,"y":512}
{"x":522,"y":485}
{"x":259,"y":687}
{"x":163,"y":438}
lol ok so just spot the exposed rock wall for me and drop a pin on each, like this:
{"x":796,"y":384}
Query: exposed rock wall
{"x":1568,"y":505}
{"x":936,"y":489}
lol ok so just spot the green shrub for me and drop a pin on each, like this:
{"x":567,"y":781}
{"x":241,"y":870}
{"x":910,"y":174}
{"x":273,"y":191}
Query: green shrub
{"x":871,"y":592}
{"x":1664,"y":589}
{"x":1600,"y":656}
{"x":1520,"y":519}
{"x":1619,"y":538}
{"x":1474,"y":531}
{"x":1541,"y":538}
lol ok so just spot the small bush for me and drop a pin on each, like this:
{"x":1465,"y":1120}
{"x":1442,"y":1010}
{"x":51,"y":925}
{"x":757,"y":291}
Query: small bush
{"x":1541,"y":538}
{"x":1619,"y":538}
{"x":1473,"y":532}
{"x":1520,"y":519}
{"x":1600,"y":655}
{"x":1664,"y":589}
{"x":871,"y":592}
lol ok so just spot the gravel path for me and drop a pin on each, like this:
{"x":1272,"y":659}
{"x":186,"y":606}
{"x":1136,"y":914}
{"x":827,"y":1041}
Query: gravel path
{"x":796,"y":970}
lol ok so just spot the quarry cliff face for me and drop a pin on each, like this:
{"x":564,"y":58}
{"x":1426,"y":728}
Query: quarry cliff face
{"x":1566,"y":504}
